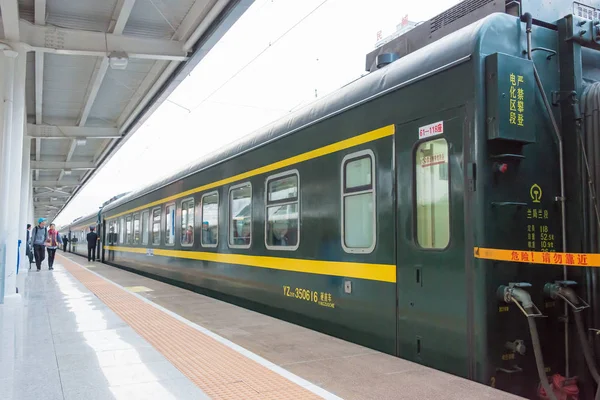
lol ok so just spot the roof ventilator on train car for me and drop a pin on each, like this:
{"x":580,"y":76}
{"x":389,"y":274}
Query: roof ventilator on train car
{"x":514,"y":293}
{"x":562,"y":290}
{"x":385,"y":59}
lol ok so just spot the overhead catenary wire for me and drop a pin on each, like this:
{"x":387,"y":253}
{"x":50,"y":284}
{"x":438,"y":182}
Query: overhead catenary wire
{"x":259,"y":55}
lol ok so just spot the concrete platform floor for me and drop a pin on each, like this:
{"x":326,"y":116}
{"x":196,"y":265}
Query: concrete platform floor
{"x":347,"y":370}
{"x":58,"y":341}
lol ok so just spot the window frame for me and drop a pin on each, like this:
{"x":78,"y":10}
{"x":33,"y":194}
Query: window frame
{"x":181,"y":225}
{"x":142,"y":227}
{"x":130,"y":241}
{"x":202,"y":244}
{"x":414,"y":195}
{"x":230,"y":217}
{"x":160,"y":228}
{"x":367,"y":153}
{"x":133,"y":227}
{"x":280,"y":202}
{"x":122,"y":230}
{"x":174,"y":221}
{"x":111,"y":225}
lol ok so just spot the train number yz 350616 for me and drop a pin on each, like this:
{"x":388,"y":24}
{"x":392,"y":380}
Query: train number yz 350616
{"x":323,"y":299}
{"x":302,"y":294}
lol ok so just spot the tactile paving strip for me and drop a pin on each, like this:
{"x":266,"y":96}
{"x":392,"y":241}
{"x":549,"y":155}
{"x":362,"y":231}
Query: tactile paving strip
{"x":221,"y":372}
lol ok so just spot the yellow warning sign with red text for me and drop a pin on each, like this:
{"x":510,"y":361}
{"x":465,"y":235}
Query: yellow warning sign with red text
{"x":539,"y":257}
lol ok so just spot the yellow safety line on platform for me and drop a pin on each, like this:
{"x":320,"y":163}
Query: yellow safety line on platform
{"x":374,"y":272}
{"x":539,"y":257}
{"x":322,"y":151}
{"x":217,"y":369}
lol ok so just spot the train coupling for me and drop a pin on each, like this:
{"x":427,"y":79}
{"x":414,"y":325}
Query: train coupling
{"x":515,"y":293}
{"x":563,"y":290}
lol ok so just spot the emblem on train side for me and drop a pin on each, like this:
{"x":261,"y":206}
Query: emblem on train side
{"x":536,"y":193}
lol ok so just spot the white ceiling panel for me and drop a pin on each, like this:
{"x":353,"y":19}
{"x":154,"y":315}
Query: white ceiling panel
{"x":71,"y":84}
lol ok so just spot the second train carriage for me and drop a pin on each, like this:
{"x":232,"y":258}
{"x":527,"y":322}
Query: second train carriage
{"x":371,"y":214}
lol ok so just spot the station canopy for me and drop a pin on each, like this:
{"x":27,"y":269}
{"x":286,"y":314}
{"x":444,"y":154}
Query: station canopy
{"x":96,"y":69}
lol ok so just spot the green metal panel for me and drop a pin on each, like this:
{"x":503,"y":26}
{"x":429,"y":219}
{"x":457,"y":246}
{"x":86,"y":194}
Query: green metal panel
{"x":517,"y":210}
{"x":432,"y":312}
{"x":510,"y":98}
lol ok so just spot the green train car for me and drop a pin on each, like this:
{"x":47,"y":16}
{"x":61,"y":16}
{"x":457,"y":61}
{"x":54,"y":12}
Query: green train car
{"x":417,"y":211}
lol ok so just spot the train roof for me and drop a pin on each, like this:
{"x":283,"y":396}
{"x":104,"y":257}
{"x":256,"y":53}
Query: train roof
{"x":444,"y":52}
{"x":85,"y":220}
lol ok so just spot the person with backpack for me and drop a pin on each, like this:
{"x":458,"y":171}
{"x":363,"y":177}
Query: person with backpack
{"x":52,"y":243}
{"x":38,"y":238}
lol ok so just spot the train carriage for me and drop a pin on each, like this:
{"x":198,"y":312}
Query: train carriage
{"x":382,"y":213}
{"x":77,"y":232}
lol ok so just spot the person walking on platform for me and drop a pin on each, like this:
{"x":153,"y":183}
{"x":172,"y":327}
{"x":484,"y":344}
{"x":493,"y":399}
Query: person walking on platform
{"x":92,"y":238}
{"x":52,"y":243}
{"x":28,"y":246}
{"x":38,"y":238}
{"x":65,"y":240}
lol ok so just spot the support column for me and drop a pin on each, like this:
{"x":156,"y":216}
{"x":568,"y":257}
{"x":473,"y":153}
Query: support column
{"x":24,"y":205}
{"x":6,"y":87}
{"x":16,"y":231}
{"x":30,"y":215}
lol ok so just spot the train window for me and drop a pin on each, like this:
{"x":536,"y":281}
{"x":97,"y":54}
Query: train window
{"x":432,"y":194}
{"x":358,"y":202}
{"x":170,"y":225}
{"x":187,"y":222}
{"x":128,"y":235}
{"x":156,"y":226}
{"x":210,"y":219}
{"x":240,"y":215}
{"x":122,"y":231}
{"x":136,"y":228}
{"x":145,"y":216}
{"x":282,"y":212}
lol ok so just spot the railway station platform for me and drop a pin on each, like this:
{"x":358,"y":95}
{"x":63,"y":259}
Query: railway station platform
{"x":91,"y":331}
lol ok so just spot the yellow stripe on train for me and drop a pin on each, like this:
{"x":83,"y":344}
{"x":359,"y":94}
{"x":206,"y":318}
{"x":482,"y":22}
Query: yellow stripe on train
{"x":374,"y":272}
{"x":539,"y":257}
{"x":371,"y":136}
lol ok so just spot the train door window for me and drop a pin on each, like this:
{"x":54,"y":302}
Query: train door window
{"x":145,"y":216}
{"x":136,"y":228}
{"x":111,"y":230}
{"x":128,"y":234}
{"x":432,"y":194}
{"x":210,"y":219}
{"x":240,"y":215}
{"x":282,"y":212}
{"x":187,"y":222}
{"x":156,"y":226}
{"x":114,"y":231}
{"x":122,"y":232}
{"x":358,"y":202}
{"x":170,"y":225}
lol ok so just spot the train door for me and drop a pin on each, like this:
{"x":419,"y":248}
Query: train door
{"x":102,"y":239}
{"x":432,"y":299}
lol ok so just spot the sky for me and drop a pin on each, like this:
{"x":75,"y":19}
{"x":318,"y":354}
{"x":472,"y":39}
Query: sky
{"x":279,"y":56}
